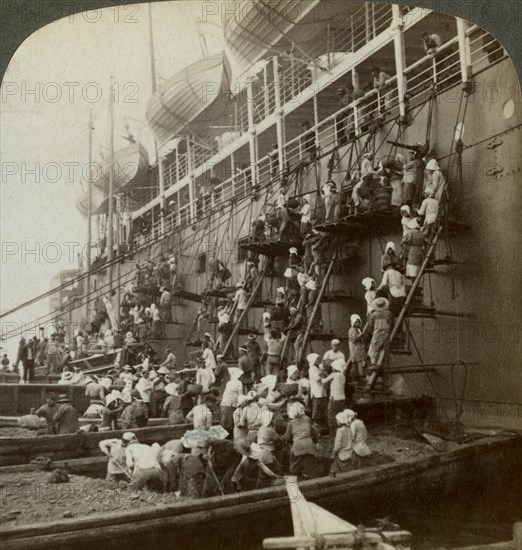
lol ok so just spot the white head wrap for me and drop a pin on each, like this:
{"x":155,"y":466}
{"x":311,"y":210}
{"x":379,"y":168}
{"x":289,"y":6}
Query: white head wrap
{"x":390,"y":245}
{"x":432,"y":165}
{"x":367,"y":283}
{"x":343,"y":418}
{"x":311,"y":358}
{"x":292,"y":369}
{"x":295,"y":409}
{"x":354,"y":318}
{"x":235,"y":372}
{"x":270,"y":381}
{"x":338,"y":365}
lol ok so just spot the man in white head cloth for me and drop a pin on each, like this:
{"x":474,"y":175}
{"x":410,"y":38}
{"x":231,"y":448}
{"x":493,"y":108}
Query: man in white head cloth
{"x":115,"y":450}
{"x":233,"y":389}
{"x":317,"y":390}
{"x":306,"y":214}
{"x":334,"y":353}
{"x":357,"y":358}
{"x":142,"y":463}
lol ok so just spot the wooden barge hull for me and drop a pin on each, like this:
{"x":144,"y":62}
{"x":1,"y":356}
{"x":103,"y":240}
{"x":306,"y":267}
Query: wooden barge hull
{"x":20,"y":450}
{"x":192,"y":521}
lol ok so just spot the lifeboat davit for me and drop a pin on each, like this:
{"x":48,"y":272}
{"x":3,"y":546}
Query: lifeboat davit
{"x":192,"y":99}
{"x":253,"y":28}
{"x":131,"y":166}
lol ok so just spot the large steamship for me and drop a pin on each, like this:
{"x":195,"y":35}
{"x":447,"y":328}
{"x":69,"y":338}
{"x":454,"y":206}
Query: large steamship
{"x":233,"y":127}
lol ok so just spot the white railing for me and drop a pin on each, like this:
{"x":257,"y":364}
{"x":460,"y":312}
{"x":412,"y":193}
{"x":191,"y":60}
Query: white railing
{"x":441,"y":70}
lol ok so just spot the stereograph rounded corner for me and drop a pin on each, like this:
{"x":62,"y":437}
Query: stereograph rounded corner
{"x":388,"y":139}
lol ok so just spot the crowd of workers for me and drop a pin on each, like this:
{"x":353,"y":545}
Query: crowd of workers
{"x":258,"y":409}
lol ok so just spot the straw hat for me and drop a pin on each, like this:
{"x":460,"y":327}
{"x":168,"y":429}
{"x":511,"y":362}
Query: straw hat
{"x":62,"y":399}
{"x":128,"y":436}
{"x":380,"y":304}
{"x":171,"y":388}
{"x":336,"y":341}
{"x":163,"y":370}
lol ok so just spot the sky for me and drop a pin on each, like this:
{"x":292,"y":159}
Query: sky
{"x":53,"y":81}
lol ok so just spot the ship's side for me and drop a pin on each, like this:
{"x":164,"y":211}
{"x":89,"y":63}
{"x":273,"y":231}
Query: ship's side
{"x":472,"y":303}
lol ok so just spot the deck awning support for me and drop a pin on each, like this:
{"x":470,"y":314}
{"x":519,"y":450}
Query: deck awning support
{"x":464,"y":50}
{"x":400,"y":57}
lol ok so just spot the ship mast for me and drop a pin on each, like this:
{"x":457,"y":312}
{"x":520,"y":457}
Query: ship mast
{"x":161,"y":180}
{"x":110,"y":221}
{"x":89,"y":215}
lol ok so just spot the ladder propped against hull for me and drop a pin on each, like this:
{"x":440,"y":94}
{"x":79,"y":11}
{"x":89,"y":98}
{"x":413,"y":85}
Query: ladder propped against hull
{"x":384,"y":359}
{"x":300,"y":307}
{"x":317,"y":305}
{"x":244,"y":313}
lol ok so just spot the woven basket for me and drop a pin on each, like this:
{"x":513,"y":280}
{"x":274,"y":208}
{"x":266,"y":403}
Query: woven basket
{"x":288,"y":389}
{"x":194,"y":389}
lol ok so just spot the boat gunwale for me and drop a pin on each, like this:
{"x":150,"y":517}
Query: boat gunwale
{"x":141,"y":520}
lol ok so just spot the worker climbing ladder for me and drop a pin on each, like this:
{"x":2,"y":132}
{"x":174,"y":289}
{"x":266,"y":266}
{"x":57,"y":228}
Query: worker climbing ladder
{"x":244,"y":313}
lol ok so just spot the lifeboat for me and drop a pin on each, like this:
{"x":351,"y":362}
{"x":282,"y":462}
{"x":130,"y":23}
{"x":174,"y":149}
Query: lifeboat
{"x":253,"y":28}
{"x":131,"y":166}
{"x":192,"y":99}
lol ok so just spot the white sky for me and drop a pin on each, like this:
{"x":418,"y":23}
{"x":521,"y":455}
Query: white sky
{"x":51,"y":136}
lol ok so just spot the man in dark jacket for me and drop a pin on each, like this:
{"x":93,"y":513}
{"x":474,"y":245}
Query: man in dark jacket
{"x":295,"y":330}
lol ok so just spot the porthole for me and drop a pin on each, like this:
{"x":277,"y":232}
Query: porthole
{"x":509,"y":109}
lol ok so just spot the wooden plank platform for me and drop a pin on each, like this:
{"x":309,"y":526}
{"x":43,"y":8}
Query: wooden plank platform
{"x":193,"y":343}
{"x":219,"y":292}
{"x":185,"y":295}
{"x":337,"y":296}
{"x":245,"y":331}
{"x":261,"y":303}
{"x":272,"y":248}
{"x":325,"y":336}
{"x":96,"y":359}
{"x":374,"y":223}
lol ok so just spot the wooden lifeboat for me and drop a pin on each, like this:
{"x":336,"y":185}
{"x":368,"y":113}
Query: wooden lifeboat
{"x":192,"y":99}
